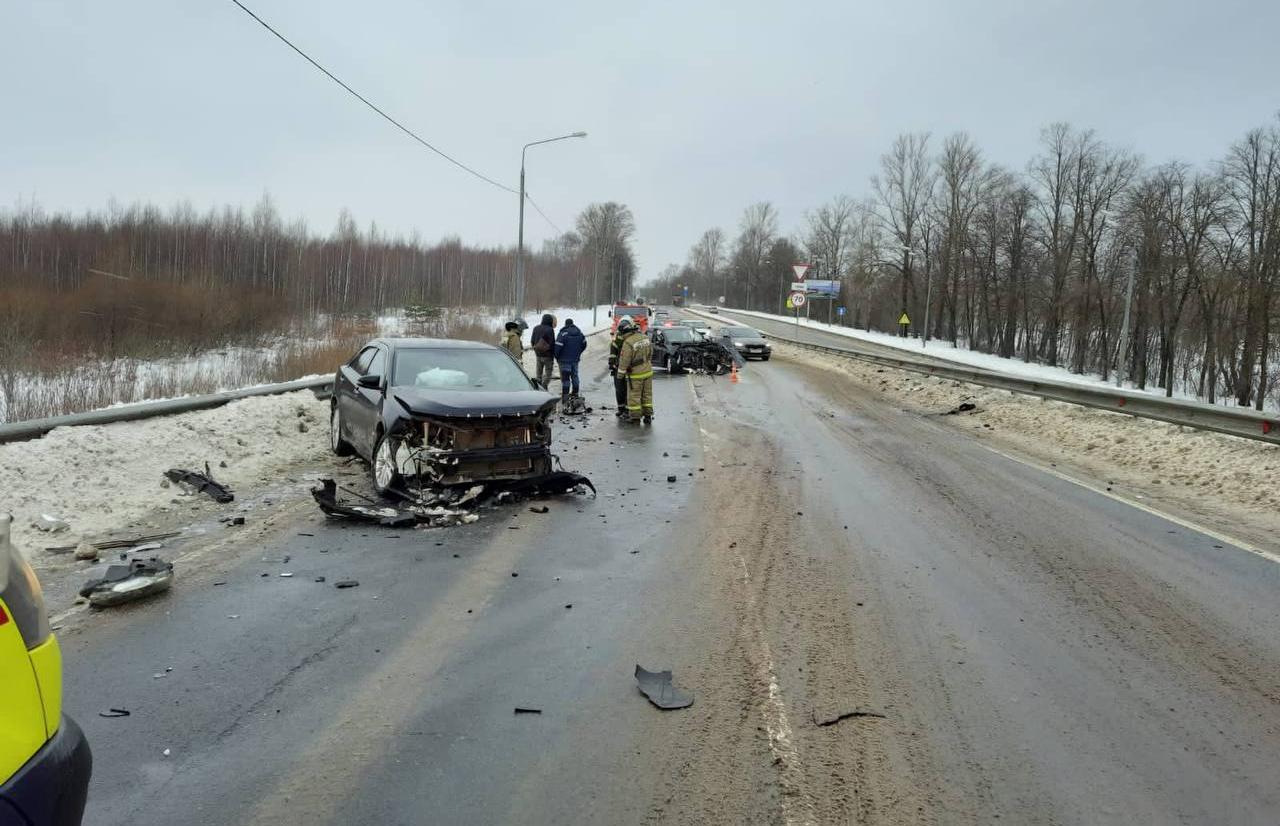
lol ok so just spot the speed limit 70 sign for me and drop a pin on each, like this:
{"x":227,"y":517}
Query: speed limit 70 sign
{"x":797,"y":299}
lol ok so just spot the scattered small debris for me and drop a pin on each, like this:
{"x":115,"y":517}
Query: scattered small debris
{"x":963,"y":407}
{"x":126,"y":583}
{"x":656,"y":685}
{"x":671,"y":478}
{"x":50,"y":524}
{"x":326,"y":497}
{"x":129,"y":542}
{"x":539,"y":509}
{"x":201,"y":483}
{"x":568,"y":605}
{"x":233,"y":616}
{"x":515,"y":573}
{"x":165,"y":752}
{"x":86,"y":551}
{"x":520,"y":710}
{"x":286,"y":574}
{"x":114,"y":712}
{"x":306,"y":534}
{"x":236,"y":520}
{"x":319,"y":579}
{"x":847,"y":715}
{"x":346,"y":583}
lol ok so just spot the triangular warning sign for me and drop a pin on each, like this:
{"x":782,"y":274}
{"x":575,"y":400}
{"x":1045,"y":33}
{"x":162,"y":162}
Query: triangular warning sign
{"x":904,"y":319}
{"x":799,"y":270}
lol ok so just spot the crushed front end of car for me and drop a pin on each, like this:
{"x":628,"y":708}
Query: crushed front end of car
{"x":491,"y":440}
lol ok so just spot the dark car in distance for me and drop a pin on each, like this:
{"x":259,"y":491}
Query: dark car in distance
{"x":747,"y":342}
{"x":446,"y":412}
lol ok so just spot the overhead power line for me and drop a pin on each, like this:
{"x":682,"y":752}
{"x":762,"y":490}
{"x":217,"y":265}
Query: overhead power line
{"x":367,"y":102}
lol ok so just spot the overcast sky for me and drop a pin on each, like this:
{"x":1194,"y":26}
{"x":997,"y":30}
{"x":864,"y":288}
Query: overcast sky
{"x":694,"y":109}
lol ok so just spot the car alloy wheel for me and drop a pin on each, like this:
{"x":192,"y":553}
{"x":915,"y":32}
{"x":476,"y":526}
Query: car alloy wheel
{"x":385,"y":471}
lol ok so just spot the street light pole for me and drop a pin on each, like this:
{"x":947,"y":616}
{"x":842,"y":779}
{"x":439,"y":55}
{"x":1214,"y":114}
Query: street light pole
{"x":520,"y":232}
{"x":1124,"y":330}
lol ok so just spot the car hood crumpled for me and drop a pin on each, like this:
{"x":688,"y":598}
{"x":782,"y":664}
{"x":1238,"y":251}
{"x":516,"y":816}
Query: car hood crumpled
{"x":462,"y":403}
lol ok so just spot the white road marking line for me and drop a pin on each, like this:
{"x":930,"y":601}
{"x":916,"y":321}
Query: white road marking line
{"x":1221,"y":537}
{"x":795,"y":807}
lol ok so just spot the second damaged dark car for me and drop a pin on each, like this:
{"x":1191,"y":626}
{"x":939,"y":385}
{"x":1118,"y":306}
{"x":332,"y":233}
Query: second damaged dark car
{"x":440,"y":413}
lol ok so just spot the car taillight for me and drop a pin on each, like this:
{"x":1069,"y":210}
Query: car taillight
{"x":20,"y":591}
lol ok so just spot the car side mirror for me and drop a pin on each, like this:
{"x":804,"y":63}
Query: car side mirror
{"x":371,"y":382}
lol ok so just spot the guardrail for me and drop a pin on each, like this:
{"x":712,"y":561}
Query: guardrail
{"x":1234,"y":421}
{"x":35,"y":428}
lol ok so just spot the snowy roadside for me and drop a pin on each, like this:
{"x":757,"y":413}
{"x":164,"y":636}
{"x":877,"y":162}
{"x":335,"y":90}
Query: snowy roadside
{"x":110,"y":479}
{"x":1224,"y":483}
{"x":971,"y":358}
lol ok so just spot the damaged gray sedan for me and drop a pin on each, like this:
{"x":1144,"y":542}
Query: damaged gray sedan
{"x":440,"y":412}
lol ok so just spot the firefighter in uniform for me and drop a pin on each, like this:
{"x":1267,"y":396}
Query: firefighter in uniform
{"x":619,"y":382}
{"x":634,"y":363}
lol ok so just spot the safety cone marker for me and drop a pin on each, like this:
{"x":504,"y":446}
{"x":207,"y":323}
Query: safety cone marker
{"x":733,"y":375}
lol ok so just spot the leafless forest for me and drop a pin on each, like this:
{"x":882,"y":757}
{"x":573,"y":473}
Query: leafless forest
{"x":1037,"y":263}
{"x":136,"y":283}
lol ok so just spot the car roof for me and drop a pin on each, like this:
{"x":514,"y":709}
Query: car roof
{"x":394,"y":343}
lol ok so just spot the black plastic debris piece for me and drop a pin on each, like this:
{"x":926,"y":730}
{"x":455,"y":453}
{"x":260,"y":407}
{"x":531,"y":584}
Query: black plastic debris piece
{"x":656,"y":685}
{"x":963,"y":407}
{"x":671,"y":478}
{"x":555,"y":483}
{"x":201,"y":483}
{"x":237,"y":520}
{"x":346,"y":583}
{"x":522,"y":710}
{"x":114,"y":712}
{"x":846,"y":715}
{"x":125,"y":583}
{"x":319,"y":579}
{"x":326,"y":496}
{"x":539,"y":509}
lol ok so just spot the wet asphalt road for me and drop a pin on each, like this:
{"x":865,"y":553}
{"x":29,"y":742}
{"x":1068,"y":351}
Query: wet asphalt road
{"x":1042,"y":653}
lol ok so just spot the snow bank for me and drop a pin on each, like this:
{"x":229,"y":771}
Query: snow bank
{"x":100,"y":479}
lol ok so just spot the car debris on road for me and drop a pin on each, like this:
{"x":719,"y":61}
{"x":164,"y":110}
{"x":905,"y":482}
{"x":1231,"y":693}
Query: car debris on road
{"x":201,"y":483}
{"x":127,"y":583}
{"x":656,"y":685}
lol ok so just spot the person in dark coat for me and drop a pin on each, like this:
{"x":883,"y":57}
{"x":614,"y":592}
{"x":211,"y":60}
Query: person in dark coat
{"x":570,"y":345}
{"x":543,"y":343}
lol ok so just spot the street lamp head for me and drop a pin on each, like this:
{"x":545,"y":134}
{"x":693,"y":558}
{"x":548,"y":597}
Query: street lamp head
{"x":578,"y":135}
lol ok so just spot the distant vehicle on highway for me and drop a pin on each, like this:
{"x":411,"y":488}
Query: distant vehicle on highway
{"x":441,"y":411}
{"x":748,"y":342}
{"x":45,"y":760}
{"x":639,"y":314}
{"x":699,"y":326}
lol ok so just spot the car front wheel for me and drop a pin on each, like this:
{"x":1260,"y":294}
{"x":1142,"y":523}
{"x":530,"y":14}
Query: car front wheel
{"x":339,"y":445}
{"x":383,"y":470}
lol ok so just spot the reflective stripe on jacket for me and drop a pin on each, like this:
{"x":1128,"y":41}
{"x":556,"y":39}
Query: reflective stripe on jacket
{"x":634,"y":356}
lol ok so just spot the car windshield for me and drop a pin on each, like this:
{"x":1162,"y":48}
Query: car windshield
{"x":741,"y":332}
{"x":678,"y":334}
{"x":698,"y":325}
{"x":444,"y":368}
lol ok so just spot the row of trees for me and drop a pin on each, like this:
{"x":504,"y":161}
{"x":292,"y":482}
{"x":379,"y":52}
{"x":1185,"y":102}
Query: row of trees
{"x":1086,"y":258}
{"x":106,"y":282}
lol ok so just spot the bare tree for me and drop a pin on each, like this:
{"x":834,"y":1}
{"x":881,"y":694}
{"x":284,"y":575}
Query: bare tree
{"x":903,"y":189}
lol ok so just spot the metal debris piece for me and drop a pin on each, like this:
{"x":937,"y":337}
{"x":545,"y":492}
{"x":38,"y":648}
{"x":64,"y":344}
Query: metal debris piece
{"x":346,"y":583}
{"x":847,"y":715}
{"x":126,"y":583}
{"x":520,"y":710}
{"x":656,"y":685}
{"x":201,"y":483}
{"x":112,"y":544}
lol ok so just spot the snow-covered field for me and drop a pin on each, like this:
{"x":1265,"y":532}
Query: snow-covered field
{"x":314,"y":350}
{"x":972,"y":358}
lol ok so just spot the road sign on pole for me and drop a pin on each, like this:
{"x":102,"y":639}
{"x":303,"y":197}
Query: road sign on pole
{"x":797,"y":299}
{"x":797,"y":286}
{"x":839,"y":310}
{"x":800,"y":270}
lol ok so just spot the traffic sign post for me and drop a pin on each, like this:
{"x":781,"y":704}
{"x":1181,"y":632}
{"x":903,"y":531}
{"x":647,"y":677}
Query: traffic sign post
{"x":904,"y":322}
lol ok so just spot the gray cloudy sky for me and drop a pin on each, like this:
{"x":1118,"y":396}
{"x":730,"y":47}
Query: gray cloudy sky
{"x":694,"y":109}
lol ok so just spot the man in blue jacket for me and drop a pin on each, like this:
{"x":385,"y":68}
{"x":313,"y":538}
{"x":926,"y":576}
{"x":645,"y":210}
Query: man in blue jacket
{"x":570,"y":345}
